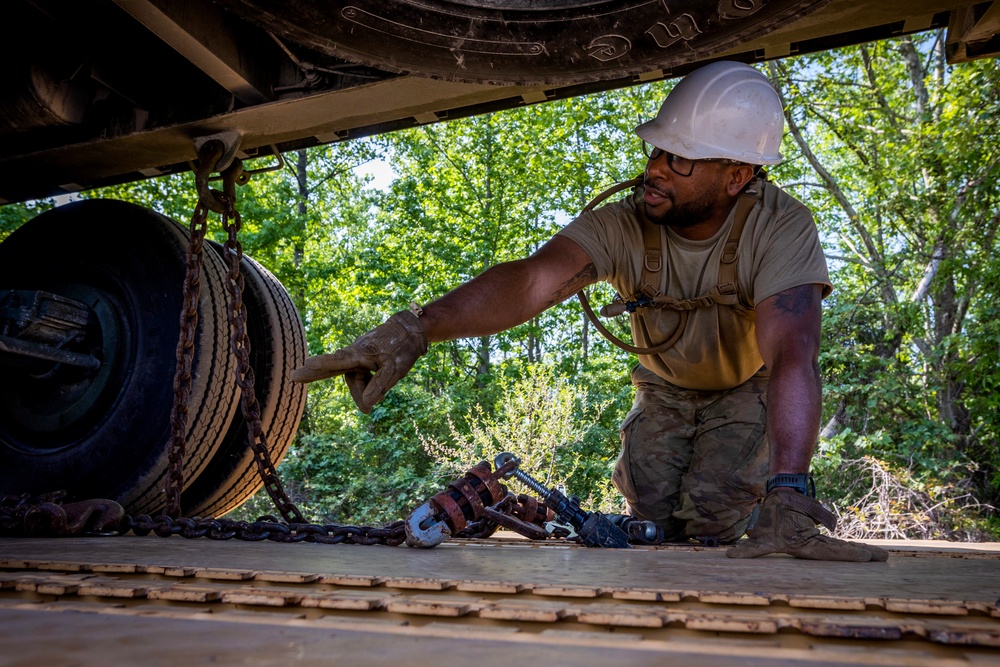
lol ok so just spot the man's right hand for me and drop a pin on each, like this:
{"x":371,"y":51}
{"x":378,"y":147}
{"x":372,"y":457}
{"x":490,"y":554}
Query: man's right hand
{"x":373,"y":363}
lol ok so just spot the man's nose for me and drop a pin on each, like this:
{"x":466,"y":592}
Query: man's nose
{"x":659,"y":167}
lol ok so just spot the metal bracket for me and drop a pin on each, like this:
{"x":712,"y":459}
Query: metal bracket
{"x":231,"y":140}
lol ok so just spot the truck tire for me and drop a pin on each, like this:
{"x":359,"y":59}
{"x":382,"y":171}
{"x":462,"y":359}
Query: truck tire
{"x":526,"y":42}
{"x":106,"y":433}
{"x":277,"y":346}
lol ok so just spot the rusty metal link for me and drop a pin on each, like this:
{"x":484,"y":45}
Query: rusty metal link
{"x":208,"y":200}
{"x":14,"y":508}
{"x":522,"y":514}
{"x":532,"y":510}
{"x":95,"y":518}
{"x":47,"y":516}
{"x":487,"y":524}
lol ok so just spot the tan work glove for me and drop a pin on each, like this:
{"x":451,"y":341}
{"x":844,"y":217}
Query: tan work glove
{"x":373,"y":363}
{"x":787,"y":525}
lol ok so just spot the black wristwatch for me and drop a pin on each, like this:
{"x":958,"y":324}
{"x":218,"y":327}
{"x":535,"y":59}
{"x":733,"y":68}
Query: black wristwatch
{"x":801,"y":482}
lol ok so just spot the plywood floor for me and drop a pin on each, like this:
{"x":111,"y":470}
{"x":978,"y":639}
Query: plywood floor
{"x":92,"y":601}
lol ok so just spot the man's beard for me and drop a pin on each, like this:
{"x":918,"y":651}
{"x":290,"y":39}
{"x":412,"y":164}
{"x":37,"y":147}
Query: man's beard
{"x":684,"y":216}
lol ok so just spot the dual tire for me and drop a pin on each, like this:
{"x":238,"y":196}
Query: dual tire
{"x":106,"y":433}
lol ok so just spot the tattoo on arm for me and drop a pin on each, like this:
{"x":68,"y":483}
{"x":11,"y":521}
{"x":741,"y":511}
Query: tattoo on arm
{"x":584,"y":277}
{"x":797,"y":300}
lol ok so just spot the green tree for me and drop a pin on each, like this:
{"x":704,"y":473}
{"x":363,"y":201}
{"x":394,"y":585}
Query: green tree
{"x":896,"y":152}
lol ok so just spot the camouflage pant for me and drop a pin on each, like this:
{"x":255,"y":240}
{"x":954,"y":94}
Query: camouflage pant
{"x":694,"y":461}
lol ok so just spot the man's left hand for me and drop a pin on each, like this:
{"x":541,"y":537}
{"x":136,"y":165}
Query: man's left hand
{"x":787,"y":525}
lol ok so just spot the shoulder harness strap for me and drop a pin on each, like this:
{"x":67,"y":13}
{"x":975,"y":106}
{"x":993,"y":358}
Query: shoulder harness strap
{"x":648,"y":294}
{"x":726,"y":292}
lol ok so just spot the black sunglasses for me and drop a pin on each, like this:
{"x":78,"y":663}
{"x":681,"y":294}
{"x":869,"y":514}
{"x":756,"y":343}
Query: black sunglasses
{"x":681,"y":166}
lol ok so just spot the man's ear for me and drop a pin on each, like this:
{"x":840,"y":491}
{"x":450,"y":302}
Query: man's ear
{"x":739,"y":176}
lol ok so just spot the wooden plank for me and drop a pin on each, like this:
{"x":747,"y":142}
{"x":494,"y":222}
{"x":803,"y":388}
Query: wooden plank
{"x":287,"y":577}
{"x":826,"y":602}
{"x":348,"y":600}
{"x":969,"y":632}
{"x":118,"y":568}
{"x":261,"y":596}
{"x":431,"y":606}
{"x":649,"y":594}
{"x":524,"y":610}
{"x":419,"y":584}
{"x":620,"y":615}
{"x":63,"y":566}
{"x":350,"y":580}
{"x":567,"y":591}
{"x":947,"y":575}
{"x":172,"y":571}
{"x":112,"y":589}
{"x":502,"y":587}
{"x":852,"y":627}
{"x":224,"y":574}
{"x":927,"y":607}
{"x":47,"y":583}
{"x":731,"y":598}
{"x":186,"y":593}
{"x":49,"y":588}
{"x":725,"y":622}
{"x":698,"y":598}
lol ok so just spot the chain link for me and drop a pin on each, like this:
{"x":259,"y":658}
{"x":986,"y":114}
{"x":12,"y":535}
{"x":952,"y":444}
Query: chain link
{"x":233,"y":254}
{"x":14,"y":509}
{"x":224,"y":203}
{"x":185,"y":342}
{"x":265,"y":528}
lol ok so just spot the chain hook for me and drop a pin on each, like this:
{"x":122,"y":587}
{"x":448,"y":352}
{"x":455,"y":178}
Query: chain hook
{"x":232,"y":176}
{"x":208,"y":159}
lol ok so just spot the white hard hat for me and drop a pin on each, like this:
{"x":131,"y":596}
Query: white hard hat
{"x":722,"y":110}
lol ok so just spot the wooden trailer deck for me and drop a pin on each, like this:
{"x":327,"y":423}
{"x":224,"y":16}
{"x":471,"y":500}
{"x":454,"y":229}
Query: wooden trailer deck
{"x":154,"y":601}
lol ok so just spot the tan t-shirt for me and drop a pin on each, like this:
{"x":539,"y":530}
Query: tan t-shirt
{"x":779,"y":249}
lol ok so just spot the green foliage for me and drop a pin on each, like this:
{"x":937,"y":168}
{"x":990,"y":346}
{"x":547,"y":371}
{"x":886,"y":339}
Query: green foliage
{"x":13,"y":216}
{"x":544,"y":420}
{"x":896,"y":153}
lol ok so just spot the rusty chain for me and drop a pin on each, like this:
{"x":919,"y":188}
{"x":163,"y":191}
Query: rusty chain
{"x":266,"y":528}
{"x":233,"y":253}
{"x":224,"y":203}
{"x":189,"y":323}
{"x":46,"y":516}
